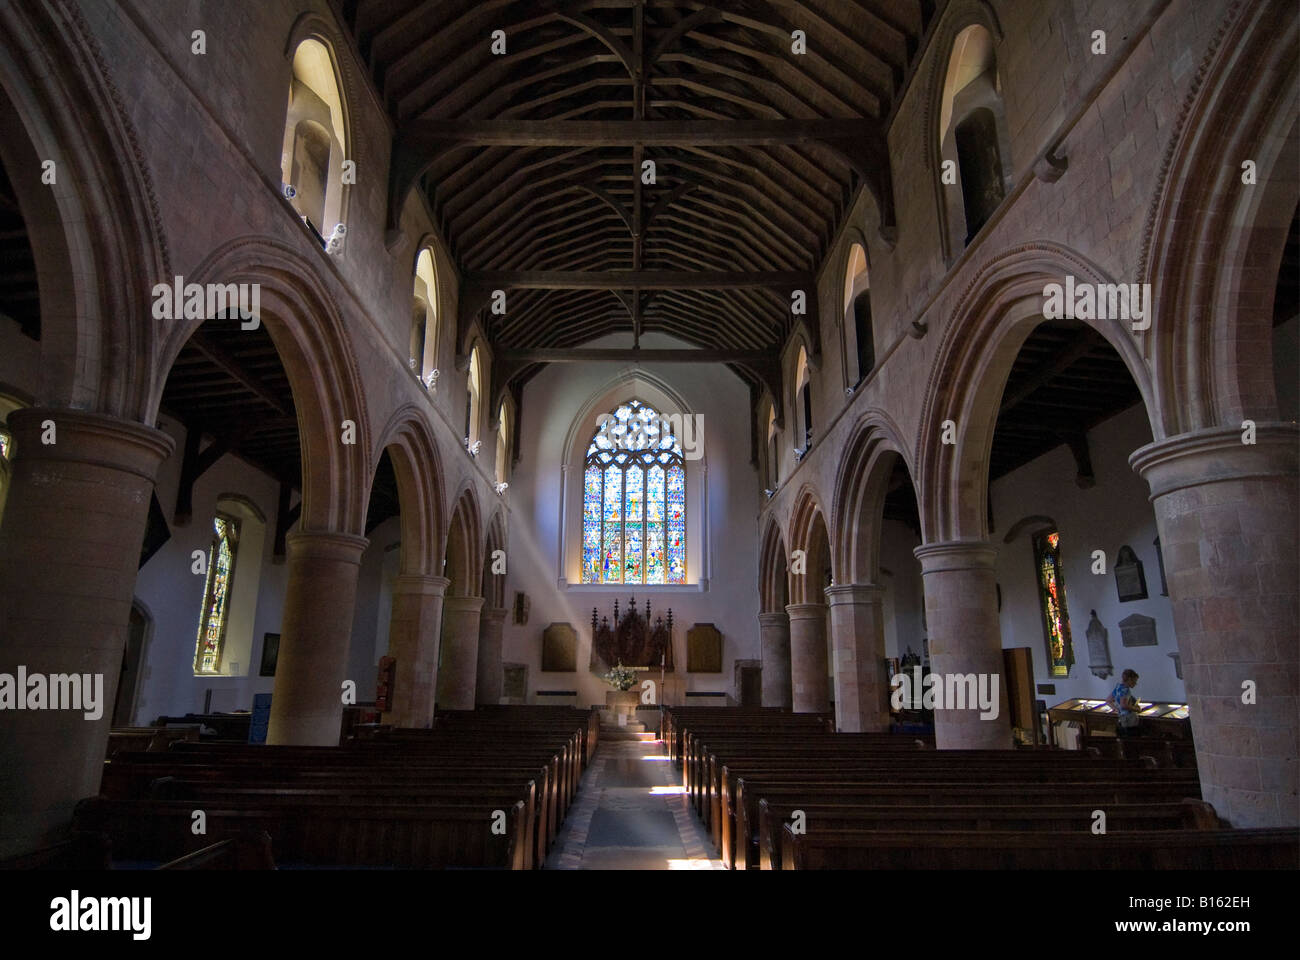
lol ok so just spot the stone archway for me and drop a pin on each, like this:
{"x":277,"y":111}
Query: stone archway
{"x":416,"y":622}
{"x":857,"y":598}
{"x":1220,"y":493}
{"x":458,"y":653}
{"x":773,"y":620}
{"x":810,"y":572}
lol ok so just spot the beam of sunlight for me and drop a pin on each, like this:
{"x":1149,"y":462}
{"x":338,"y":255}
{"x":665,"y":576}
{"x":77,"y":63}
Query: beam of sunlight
{"x":655,"y":758}
{"x":667,"y":789}
{"x":697,"y":864}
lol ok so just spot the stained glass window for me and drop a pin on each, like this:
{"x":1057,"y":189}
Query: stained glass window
{"x":1051,"y":595}
{"x":216,"y":595}
{"x":4,"y":444}
{"x":634,"y":500}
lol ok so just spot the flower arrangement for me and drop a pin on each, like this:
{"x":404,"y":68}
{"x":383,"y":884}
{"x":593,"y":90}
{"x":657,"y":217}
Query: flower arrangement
{"x":621,"y":678}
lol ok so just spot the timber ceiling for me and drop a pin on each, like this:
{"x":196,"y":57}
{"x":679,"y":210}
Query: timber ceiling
{"x":531,"y":161}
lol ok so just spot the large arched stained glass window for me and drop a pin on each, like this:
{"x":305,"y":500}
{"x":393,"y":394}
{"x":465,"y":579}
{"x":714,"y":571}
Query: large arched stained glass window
{"x":634,"y":500}
{"x":216,"y":596}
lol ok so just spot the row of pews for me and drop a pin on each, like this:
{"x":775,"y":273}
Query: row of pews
{"x":481,"y":789}
{"x":783,"y":791}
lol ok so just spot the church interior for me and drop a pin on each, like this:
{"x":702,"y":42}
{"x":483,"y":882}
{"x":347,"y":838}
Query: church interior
{"x":649,"y":434}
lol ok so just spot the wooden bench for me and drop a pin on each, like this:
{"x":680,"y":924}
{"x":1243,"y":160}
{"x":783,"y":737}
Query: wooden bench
{"x":1271,"y":849}
{"x":902,"y":791}
{"x":311,"y":834}
{"x":719,"y":810}
{"x":247,"y":851}
{"x":1029,"y":817}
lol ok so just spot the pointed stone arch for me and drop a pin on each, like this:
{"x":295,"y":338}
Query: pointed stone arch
{"x":1213,"y":265}
{"x":860,"y":488}
{"x":318,"y":357}
{"x":464,"y":551}
{"x":420,"y":489}
{"x":809,"y":532}
{"x":995,"y":314}
{"x":773,"y":584}
{"x":96,"y":230}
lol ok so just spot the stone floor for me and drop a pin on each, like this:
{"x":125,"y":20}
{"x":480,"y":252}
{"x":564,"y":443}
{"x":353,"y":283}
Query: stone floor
{"x":631,"y":814}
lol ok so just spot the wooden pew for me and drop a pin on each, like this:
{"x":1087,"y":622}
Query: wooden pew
{"x":1054,"y":817}
{"x":311,"y":834}
{"x":936,"y":766}
{"x":83,"y":850}
{"x":903,"y":791}
{"x":247,"y":851}
{"x":1165,"y":752}
{"x":1270,"y":849}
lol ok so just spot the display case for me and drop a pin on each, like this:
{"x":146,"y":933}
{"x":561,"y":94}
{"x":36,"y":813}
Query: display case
{"x":1097,"y":717}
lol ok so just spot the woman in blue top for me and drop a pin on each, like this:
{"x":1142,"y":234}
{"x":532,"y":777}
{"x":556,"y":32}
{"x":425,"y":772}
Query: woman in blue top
{"x":1125,"y":704}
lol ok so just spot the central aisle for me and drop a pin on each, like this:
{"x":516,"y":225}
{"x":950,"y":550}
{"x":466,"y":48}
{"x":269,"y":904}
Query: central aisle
{"x":631,"y":814}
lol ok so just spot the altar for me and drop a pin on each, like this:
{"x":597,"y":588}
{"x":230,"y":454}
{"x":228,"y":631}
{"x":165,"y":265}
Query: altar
{"x":640,"y":639}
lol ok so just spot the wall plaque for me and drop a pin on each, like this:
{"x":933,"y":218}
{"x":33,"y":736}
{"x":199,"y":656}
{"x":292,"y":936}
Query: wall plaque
{"x":559,"y":649}
{"x":1098,"y":648}
{"x":703,"y":649}
{"x":514,"y":686}
{"x":1138,"y":631}
{"x":1130,"y":581}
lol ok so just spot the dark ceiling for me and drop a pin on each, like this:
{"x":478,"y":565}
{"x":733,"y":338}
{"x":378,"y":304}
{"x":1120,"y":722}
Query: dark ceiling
{"x":581,"y":205}
{"x":19,"y":297}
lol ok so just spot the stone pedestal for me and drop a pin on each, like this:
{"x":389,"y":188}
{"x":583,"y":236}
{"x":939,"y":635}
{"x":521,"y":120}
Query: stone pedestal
{"x":810,"y":691}
{"x":858,"y":648}
{"x":961,"y":609}
{"x":491,"y":624}
{"x":315,"y":631}
{"x":774,"y":644}
{"x":622,"y":705}
{"x":458,"y":661}
{"x":69,"y":550}
{"x":413,"y":642}
{"x":1227,"y":515}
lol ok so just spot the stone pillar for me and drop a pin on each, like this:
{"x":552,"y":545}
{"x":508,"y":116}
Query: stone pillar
{"x":858,"y":646}
{"x":961,"y":609}
{"x":1227,"y":515}
{"x":69,"y":551}
{"x":491,"y":623}
{"x":413,"y":643}
{"x":774,"y":646}
{"x":315,"y":631}
{"x":459,"y":658}
{"x":808,"y":665}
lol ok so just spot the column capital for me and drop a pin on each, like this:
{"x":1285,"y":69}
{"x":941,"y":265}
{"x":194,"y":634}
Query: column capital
{"x":420,"y":583}
{"x":956,"y":555}
{"x":326,"y":545}
{"x":837,"y":594}
{"x":806,"y":611}
{"x":1216,"y":454}
{"x":492,"y":614}
{"x":773,"y":617}
{"x":462,"y":604}
{"x":92,"y":438}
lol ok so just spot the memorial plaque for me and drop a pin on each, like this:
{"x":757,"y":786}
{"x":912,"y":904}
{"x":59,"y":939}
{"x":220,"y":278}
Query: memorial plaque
{"x":559,"y":649}
{"x":1098,"y":648}
{"x":514,"y":685}
{"x":1130,"y":581}
{"x":1138,"y":631}
{"x":703,"y":649}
